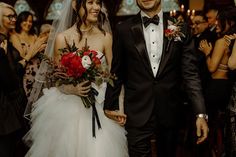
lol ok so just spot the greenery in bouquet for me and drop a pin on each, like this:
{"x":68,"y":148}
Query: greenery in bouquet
{"x":77,"y":66}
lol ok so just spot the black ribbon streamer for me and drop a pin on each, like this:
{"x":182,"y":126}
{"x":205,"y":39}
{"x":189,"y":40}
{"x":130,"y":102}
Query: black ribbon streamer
{"x":95,"y":115}
{"x":95,"y":118}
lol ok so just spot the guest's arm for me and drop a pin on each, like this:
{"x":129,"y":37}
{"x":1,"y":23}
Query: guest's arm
{"x":232,"y":58}
{"x":213,"y":60}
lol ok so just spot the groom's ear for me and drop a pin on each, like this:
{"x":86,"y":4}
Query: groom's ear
{"x":74,"y":4}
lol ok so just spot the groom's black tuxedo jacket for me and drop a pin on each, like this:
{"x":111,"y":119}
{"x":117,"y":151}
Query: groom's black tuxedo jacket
{"x":146,"y":94}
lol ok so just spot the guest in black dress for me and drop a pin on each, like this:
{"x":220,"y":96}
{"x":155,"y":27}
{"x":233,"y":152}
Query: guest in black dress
{"x":231,"y":110}
{"x":12,"y":95}
{"x":219,"y":88}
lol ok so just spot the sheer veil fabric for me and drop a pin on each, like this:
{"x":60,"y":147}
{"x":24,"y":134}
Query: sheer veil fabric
{"x":63,"y":22}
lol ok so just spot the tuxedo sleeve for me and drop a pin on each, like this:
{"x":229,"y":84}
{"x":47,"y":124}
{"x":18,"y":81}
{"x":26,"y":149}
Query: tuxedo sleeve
{"x":191,"y":77}
{"x":112,"y":92}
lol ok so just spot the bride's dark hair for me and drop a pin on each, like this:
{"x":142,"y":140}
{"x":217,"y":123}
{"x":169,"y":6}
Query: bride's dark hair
{"x":80,"y":20}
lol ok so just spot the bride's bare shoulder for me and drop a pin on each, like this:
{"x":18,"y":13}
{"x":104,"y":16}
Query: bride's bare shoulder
{"x":65,"y":35}
{"x":108,"y":35}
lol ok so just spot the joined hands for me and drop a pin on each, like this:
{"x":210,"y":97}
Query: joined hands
{"x":117,"y":116}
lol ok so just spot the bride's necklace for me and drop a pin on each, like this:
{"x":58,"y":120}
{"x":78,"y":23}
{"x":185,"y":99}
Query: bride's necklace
{"x":87,"y":29}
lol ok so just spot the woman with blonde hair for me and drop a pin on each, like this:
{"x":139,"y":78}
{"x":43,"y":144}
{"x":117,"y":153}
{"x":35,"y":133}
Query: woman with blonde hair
{"x":12,"y":95}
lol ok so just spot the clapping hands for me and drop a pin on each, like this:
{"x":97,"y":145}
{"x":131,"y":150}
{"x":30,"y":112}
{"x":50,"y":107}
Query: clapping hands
{"x":205,"y":47}
{"x":38,"y":46}
{"x":229,"y":38}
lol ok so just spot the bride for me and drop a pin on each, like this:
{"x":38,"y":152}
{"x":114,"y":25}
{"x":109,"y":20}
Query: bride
{"x":61,"y":125}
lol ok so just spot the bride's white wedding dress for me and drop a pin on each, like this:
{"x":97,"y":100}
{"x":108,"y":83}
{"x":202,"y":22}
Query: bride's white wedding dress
{"x":62,"y":127}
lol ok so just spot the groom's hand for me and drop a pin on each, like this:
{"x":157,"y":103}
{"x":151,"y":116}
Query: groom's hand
{"x":202,"y":129}
{"x":120,"y":118}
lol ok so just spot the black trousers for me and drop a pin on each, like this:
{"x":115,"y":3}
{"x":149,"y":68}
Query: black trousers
{"x":11,"y":145}
{"x":139,"y":140}
{"x":8,"y":145}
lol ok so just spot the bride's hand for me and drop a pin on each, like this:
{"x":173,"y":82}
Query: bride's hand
{"x":120,"y":118}
{"x":83,"y":88}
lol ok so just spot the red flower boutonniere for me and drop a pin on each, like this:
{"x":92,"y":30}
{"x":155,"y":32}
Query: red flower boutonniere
{"x":174,"y":31}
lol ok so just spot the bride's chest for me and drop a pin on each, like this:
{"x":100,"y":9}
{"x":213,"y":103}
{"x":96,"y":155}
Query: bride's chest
{"x":93,"y":42}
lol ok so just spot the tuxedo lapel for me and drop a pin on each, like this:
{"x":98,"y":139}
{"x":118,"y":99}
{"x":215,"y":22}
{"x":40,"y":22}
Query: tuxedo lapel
{"x":166,"y":47}
{"x":139,"y":41}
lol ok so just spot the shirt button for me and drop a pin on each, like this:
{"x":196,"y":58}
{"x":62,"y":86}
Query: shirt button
{"x":153,"y":56}
{"x":153,"y":42}
{"x":153,"y":30}
{"x":154,"y":67}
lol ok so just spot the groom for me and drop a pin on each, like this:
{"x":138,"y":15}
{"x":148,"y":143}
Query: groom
{"x":152,"y":68}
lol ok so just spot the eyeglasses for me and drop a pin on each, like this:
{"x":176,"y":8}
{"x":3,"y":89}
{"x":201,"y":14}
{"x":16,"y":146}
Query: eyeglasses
{"x":198,"y":22}
{"x":11,"y":17}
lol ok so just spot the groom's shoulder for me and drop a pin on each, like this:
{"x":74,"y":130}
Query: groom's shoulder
{"x":129,"y":21}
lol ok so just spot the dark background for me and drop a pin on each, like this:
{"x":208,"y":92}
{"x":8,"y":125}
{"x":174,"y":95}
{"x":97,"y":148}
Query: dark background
{"x":41,"y":6}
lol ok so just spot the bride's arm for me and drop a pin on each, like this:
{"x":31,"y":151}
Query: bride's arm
{"x":59,"y":44}
{"x":108,"y":48}
{"x":80,"y":89}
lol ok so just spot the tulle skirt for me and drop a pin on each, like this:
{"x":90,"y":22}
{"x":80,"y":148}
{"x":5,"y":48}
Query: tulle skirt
{"x":62,"y":127}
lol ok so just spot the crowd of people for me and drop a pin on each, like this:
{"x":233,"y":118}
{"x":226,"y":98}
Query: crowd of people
{"x":214,"y":34}
{"x":157,"y":73}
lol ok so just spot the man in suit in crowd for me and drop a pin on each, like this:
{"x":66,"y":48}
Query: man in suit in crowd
{"x":152,"y":68}
{"x":211,"y":13}
{"x":200,"y":32}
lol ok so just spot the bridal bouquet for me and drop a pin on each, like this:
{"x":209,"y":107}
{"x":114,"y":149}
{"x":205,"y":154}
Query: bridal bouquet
{"x":79,"y":65}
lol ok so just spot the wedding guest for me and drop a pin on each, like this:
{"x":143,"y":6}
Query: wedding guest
{"x":12,"y":95}
{"x":23,"y":40}
{"x":230,"y":145}
{"x":200,"y":32}
{"x":211,"y":12}
{"x":219,"y":88}
{"x":45,"y":29}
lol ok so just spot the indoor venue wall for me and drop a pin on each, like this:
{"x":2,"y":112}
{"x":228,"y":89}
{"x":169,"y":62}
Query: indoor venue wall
{"x":40,"y":7}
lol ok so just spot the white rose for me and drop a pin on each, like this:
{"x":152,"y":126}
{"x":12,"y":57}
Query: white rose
{"x":86,"y":62}
{"x":172,"y":27}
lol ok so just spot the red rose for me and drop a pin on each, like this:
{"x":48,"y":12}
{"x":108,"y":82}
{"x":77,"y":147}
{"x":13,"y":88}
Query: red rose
{"x":87,"y":53}
{"x":168,"y":31}
{"x":96,"y":61}
{"x":76,"y":66}
{"x":65,"y":59}
{"x":94,"y":53}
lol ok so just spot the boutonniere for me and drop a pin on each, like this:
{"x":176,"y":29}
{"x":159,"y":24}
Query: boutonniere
{"x":174,"y":31}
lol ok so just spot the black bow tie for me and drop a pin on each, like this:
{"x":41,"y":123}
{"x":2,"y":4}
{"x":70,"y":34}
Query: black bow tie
{"x":155,"y":20}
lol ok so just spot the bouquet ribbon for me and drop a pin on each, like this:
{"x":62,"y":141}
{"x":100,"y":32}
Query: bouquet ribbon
{"x":95,"y":118}
{"x":88,"y":102}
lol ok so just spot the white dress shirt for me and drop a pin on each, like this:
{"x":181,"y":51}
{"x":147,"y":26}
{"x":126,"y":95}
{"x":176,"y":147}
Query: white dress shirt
{"x":153,"y":35}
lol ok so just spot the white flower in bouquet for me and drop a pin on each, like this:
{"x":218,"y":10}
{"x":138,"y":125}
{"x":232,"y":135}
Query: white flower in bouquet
{"x":86,"y":62}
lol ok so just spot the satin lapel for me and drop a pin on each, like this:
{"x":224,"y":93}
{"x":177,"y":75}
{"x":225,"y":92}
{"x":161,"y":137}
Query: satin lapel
{"x":166,"y":48}
{"x":139,"y":41}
